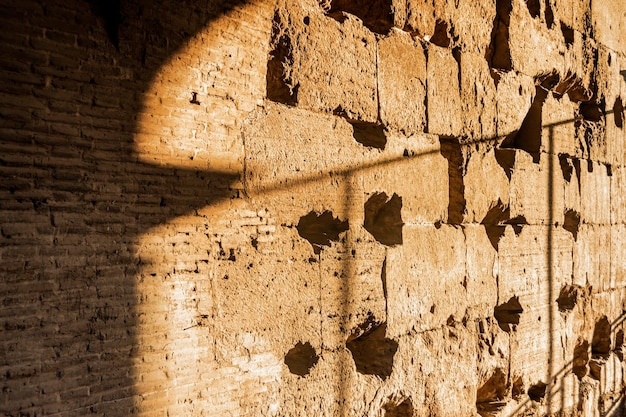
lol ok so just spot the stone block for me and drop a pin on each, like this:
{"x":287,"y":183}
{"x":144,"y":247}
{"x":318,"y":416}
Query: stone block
{"x":618,"y":195}
{"x":592,"y":257}
{"x":478,"y":93}
{"x":514,"y":95}
{"x":557,"y":126}
{"x":300,"y":171}
{"x":481,"y":283}
{"x":537,"y":190}
{"x":413,"y":168}
{"x":536,"y":262}
{"x":352,"y":290}
{"x":472,"y":22}
{"x":608,"y":19}
{"x":595,"y":193}
{"x":329,"y":66}
{"x":536,"y":46}
{"x":402,"y":82}
{"x":607,"y":370}
{"x":426,"y":291}
{"x":444,"y":98}
{"x":485,"y":183}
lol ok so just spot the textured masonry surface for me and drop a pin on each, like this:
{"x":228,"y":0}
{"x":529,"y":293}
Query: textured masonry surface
{"x":303,"y":207}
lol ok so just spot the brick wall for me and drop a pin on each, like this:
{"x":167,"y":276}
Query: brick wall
{"x":382,"y":208}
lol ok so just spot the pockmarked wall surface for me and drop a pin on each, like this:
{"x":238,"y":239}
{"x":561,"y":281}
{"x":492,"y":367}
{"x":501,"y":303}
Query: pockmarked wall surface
{"x":312,"y":208}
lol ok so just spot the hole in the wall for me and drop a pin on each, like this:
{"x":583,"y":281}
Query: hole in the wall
{"x":508,"y":314}
{"x":194,"y":98}
{"x":372,"y":352}
{"x":549,"y":14}
{"x":451,"y":149}
{"x":537,"y":391}
{"x":581,"y":358}
{"x":369,"y":134}
{"x":383,"y":218}
{"x":568,"y":34}
{"x":404,"y":409}
{"x":440,"y":36}
{"x":278,"y":84}
{"x":528,"y":137}
{"x":498,"y":54}
{"x":301,"y":358}
{"x":534,"y":8}
{"x":568,"y":296}
{"x":592,"y":110}
{"x":321,"y":229}
{"x":601,"y":341}
{"x":572,"y":222}
{"x":618,"y":112}
{"x":506,"y":159}
{"x":490,"y":395}
{"x":493,"y":223}
{"x":376,"y":15}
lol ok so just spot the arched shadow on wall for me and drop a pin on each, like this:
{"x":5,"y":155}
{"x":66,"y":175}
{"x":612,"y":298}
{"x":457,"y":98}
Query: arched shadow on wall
{"x":75,"y":197}
{"x":84,"y":199}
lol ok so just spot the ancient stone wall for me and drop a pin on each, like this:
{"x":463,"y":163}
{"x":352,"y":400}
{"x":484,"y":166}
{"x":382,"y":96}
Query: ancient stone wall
{"x":312,"y":208}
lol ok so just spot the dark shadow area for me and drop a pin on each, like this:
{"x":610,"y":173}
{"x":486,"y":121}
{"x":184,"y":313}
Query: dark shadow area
{"x":490,"y":397}
{"x":321,"y":229}
{"x":568,"y":297}
{"x":371,"y":135}
{"x":498,"y":54}
{"x":383,"y":218}
{"x":301,"y":358}
{"x":528,"y":137}
{"x":506,"y":159}
{"x":78,"y":198}
{"x":618,"y":112}
{"x":549,"y":14}
{"x":537,"y":391}
{"x":279,"y":87}
{"x":372,"y":352}
{"x":580,"y":362}
{"x":601,"y":341}
{"x":377,"y":15}
{"x":508,"y":314}
{"x":572,"y":222}
{"x":451,"y":149}
{"x":404,"y":409}
{"x":534,"y":8}
{"x":496,"y":220}
{"x":441,"y":36}
{"x":568,"y":34}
